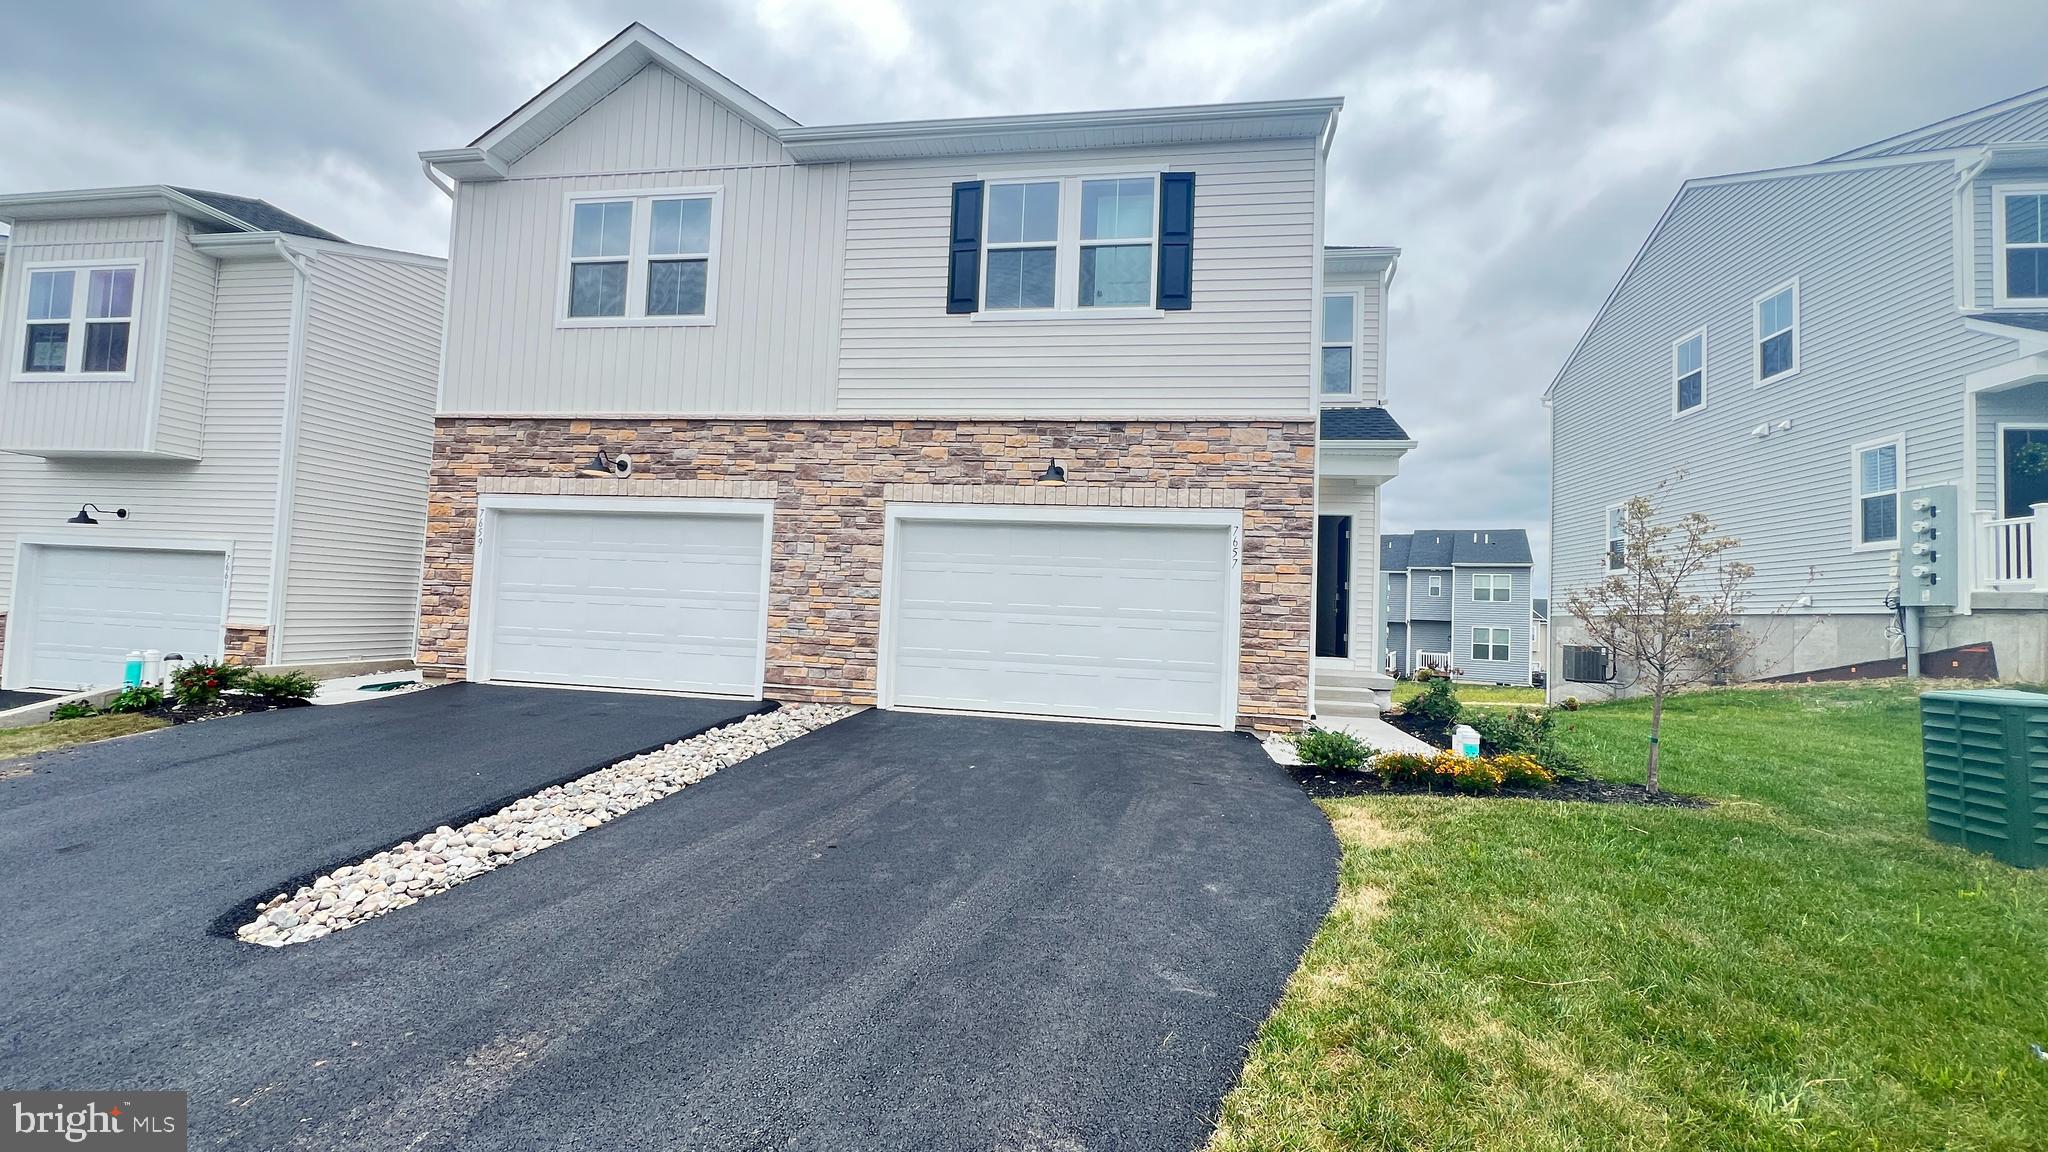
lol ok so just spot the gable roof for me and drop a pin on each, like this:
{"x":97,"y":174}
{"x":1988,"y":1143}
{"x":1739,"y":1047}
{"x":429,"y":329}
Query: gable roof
{"x":214,"y":211}
{"x":1459,"y":547}
{"x":2021,"y":117}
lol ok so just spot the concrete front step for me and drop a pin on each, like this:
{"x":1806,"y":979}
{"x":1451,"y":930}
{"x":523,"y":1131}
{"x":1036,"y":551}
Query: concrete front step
{"x":1325,"y":694}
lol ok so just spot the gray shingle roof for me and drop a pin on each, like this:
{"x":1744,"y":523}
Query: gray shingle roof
{"x":261,"y":216}
{"x":1448,"y":547}
{"x":2032,"y":321}
{"x":1360,"y":424}
{"x":1541,"y":605}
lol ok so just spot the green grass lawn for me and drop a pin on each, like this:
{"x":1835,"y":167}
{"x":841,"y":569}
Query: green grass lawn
{"x":1406,"y":690}
{"x":1797,"y":967}
{"x":64,"y":733}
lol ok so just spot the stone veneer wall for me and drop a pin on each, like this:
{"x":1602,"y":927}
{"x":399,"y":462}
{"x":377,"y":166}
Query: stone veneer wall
{"x":830,"y":479}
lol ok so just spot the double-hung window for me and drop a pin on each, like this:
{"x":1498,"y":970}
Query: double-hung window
{"x":1118,"y":218}
{"x":1879,"y":467}
{"x":641,"y":258}
{"x":1777,"y":332}
{"x":1339,"y":368}
{"x":1493,"y":587}
{"x":1023,"y":244}
{"x":1490,"y":644}
{"x":1064,"y":244}
{"x":79,"y":321}
{"x":1689,"y":373}
{"x":1436,"y":584}
{"x":2020,"y":223}
{"x":1617,"y":539}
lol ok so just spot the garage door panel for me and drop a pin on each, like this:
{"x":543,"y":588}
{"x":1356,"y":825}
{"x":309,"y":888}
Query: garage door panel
{"x":1106,"y":621}
{"x":90,"y":607}
{"x":666,"y":601}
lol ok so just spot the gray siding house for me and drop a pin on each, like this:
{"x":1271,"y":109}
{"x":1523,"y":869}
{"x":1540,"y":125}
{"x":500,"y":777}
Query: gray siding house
{"x":1814,"y":342}
{"x":1458,"y":600}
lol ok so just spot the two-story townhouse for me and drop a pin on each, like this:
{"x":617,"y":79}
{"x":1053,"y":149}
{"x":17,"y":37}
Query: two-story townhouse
{"x":215,"y":423}
{"x":1459,"y":601}
{"x":1013,"y":414}
{"x":1813,"y":344}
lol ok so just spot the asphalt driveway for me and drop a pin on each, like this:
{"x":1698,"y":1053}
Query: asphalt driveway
{"x":901,"y":931}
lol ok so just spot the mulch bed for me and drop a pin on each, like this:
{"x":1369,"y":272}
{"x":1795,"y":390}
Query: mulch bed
{"x":1327,"y":784}
{"x":230,"y":705}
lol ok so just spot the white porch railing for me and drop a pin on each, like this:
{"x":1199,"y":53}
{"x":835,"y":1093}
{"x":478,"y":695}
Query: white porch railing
{"x":2012,"y":554}
{"x":1435,"y":661}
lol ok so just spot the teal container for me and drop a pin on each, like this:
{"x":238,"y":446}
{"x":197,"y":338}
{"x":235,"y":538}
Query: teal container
{"x":1985,"y":754}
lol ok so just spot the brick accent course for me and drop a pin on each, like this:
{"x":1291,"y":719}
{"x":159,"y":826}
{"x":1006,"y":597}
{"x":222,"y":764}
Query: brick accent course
{"x":831,"y":480}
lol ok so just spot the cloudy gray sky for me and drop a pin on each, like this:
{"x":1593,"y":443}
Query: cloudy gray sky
{"x":1517,"y":151}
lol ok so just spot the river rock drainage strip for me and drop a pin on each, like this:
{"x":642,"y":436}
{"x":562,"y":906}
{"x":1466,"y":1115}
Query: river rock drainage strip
{"x":412,"y":871}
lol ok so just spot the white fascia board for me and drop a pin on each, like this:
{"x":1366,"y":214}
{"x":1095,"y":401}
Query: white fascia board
{"x":1361,"y":459}
{"x":145,"y":200}
{"x":263,"y":245}
{"x":1273,"y":119}
{"x":1360,"y":261}
{"x":472,"y":165}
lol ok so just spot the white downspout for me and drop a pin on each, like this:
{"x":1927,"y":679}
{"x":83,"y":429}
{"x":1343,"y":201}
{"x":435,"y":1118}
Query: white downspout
{"x":287,"y":448}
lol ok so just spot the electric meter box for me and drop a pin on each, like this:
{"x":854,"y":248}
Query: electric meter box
{"x":1930,"y":537}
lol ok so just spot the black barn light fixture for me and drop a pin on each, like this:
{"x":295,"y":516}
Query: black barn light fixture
{"x":85,"y":514}
{"x":607,"y":465}
{"x":1054,"y":476}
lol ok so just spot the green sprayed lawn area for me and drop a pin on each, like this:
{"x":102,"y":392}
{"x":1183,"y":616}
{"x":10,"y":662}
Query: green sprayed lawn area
{"x":64,"y":733}
{"x":1797,"y":967}
{"x":1406,"y":690}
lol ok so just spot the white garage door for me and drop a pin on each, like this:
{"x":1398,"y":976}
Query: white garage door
{"x":627,"y":599}
{"x":1108,"y":621}
{"x":87,"y":608}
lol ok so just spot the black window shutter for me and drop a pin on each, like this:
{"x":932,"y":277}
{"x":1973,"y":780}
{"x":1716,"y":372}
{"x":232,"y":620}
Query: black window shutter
{"x":963,"y":263}
{"x":1176,"y":241}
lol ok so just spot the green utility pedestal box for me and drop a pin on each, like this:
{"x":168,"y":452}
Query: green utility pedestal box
{"x":1986,"y":757}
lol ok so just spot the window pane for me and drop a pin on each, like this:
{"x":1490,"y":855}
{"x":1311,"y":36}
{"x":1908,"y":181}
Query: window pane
{"x":106,"y":348}
{"x":1116,"y":209}
{"x":2023,"y":270}
{"x":1689,"y":356}
{"x":1689,"y":391}
{"x":49,"y":295}
{"x":603,"y":229}
{"x":679,"y":228}
{"x":1880,"y":518}
{"x":1336,"y":371}
{"x":46,"y":347}
{"x":1116,"y":276}
{"x":1775,"y":314}
{"x":1880,"y":469}
{"x":597,"y":290}
{"x":676,"y":287}
{"x":1500,"y":651}
{"x":1338,"y":318}
{"x":2023,"y":219}
{"x":1024,"y":213}
{"x":1777,"y":354}
{"x":110,"y":292}
{"x":1020,"y":278}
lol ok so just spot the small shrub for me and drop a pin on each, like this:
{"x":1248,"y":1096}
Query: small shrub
{"x":1523,"y":771}
{"x":1403,"y":767}
{"x":1486,"y":774}
{"x":140,"y":698}
{"x":73,"y":710}
{"x":198,"y":685}
{"x":279,"y":687}
{"x":1570,"y":704}
{"x":1469,"y":775}
{"x":1322,"y":748}
{"x":1435,"y":712}
{"x":1424,"y":675}
{"x":1513,"y":730}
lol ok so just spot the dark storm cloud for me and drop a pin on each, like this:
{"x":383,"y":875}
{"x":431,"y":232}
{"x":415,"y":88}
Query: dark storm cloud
{"x":1517,"y":152}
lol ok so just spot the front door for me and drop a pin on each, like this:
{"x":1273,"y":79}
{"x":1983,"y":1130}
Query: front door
{"x":1333,"y":586}
{"x":2023,"y":455}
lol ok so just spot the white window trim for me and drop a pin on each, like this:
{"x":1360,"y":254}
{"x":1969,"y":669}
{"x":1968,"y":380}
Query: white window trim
{"x":74,"y":349}
{"x":1856,"y":494}
{"x":1757,"y":335}
{"x":1436,"y":584}
{"x":1066,"y":268}
{"x":637,"y":257}
{"x":1473,"y":645}
{"x":1998,"y":245}
{"x":1699,"y":334}
{"x":1357,"y":331}
{"x":1607,"y":539}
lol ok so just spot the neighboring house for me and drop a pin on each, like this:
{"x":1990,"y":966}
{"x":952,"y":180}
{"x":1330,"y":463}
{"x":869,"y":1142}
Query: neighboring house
{"x":1458,"y":600}
{"x":1813,"y":342}
{"x":1013,"y":414}
{"x":215,"y":420}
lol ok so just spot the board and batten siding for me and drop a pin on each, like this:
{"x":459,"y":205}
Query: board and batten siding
{"x":656,"y":121}
{"x":83,"y":415}
{"x":770,"y":351}
{"x":1242,"y":351}
{"x":1513,"y":616}
{"x":364,"y":424}
{"x":1882,"y":352}
{"x":229,"y":493}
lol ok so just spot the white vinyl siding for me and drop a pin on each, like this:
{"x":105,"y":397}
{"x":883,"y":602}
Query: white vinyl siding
{"x":1884,"y":350}
{"x":1244,"y":350}
{"x":365,"y":438}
